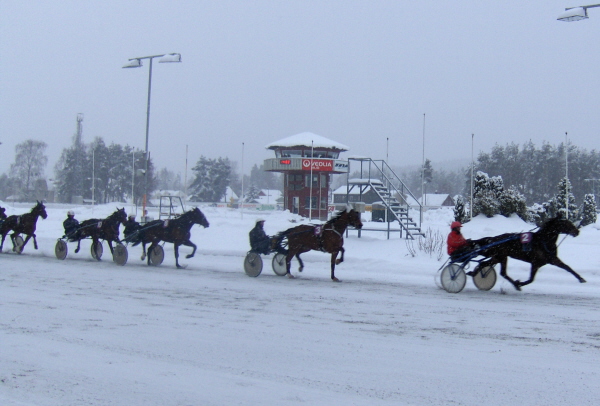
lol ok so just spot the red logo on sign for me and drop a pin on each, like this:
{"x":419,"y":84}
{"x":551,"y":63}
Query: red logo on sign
{"x":325,"y":165}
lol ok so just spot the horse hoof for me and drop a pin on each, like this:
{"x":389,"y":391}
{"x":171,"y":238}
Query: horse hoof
{"x":77,"y":250}
{"x":189,"y":256}
{"x":290,"y":276}
{"x":335,"y":279}
{"x":300,"y":269}
{"x":338,"y":261}
{"x":582,"y":280}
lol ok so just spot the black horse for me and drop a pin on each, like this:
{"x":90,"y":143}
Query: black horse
{"x":100,"y":229}
{"x":328,"y":237}
{"x":23,"y":224}
{"x":175,"y":231}
{"x":538,"y":248}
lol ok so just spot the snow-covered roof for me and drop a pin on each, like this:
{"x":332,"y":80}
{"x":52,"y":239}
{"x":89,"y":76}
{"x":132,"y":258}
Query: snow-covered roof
{"x":307,"y":139}
{"x":434,"y":199}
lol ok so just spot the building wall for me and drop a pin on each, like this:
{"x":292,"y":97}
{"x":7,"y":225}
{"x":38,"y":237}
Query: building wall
{"x":297,"y":193}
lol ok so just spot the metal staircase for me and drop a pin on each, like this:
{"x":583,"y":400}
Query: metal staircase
{"x":376,"y":175}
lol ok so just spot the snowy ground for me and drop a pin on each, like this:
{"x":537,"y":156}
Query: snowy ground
{"x":81,"y":332}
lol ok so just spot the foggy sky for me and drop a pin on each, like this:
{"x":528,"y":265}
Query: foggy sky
{"x":253,"y":72}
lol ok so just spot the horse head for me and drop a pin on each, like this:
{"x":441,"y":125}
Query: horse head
{"x":354,"y":219}
{"x":199,"y":218}
{"x":40,"y":210}
{"x":561,"y":226}
{"x":119,"y":216}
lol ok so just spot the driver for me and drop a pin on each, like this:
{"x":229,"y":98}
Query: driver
{"x":70,"y":224}
{"x":131,"y":226}
{"x":457,"y":244}
{"x":260,"y":242}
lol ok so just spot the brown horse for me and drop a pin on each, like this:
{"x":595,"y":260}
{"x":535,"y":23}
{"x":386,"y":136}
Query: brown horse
{"x":538,"y":248}
{"x":23,"y":224}
{"x":175,"y":231}
{"x":100,"y":229}
{"x":328,"y":237}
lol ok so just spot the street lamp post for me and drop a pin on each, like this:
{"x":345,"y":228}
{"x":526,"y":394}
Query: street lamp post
{"x":137,"y":63}
{"x":576,"y":13}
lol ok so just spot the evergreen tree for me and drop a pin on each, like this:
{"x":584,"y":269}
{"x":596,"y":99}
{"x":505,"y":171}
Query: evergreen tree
{"x":459,"y":210}
{"x":485,"y":195}
{"x":564,"y":195}
{"x":211,"y":179}
{"x":588,"y":212}
{"x":252,"y":194}
{"x":512,"y":201}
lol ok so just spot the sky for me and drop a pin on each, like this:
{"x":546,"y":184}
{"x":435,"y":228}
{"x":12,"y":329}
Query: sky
{"x":387,"y":78}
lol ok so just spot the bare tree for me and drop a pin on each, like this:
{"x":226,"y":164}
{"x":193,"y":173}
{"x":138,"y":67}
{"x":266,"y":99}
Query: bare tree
{"x":29,"y":166}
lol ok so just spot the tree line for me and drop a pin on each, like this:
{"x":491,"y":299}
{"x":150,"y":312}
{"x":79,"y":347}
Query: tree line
{"x":106,"y":173}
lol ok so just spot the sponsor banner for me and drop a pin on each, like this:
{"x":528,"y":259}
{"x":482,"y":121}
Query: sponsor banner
{"x":323,"y":165}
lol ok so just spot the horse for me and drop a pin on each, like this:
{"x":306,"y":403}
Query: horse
{"x":537,"y":248}
{"x":328,"y":237}
{"x":23,"y":224}
{"x":100,"y":229}
{"x":175,"y":231}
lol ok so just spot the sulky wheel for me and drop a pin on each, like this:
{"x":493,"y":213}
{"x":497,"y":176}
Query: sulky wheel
{"x":60,"y":249}
{"x":96,"y":250}
{"x":18,"y":244}
{"x":156,"y":256}
{"x":485,"y":278}
{"x":120,"y":254}
{"x":453,"y":278}
{"x":278,"y":264}
{"x":253,"y":264}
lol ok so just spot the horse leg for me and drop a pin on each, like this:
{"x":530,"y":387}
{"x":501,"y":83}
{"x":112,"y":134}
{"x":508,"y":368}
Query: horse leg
{"x":177,"y":255}
{"x":143,"y":251}
{"x":341,"y":259}
{"x":301,"y":267}
{"x":150,"y":248}
{"x":111,"y":247}
{"x":503,"y":263}
{"x":78,"y":246}
{"x":188,"y":243}
{"x":25,"y":242}
{"x":2,"y":243}
{"x":557,"y":262}
{"x":288,"y":263}
{"x":534,"y":269}
{"x":333,"y":262}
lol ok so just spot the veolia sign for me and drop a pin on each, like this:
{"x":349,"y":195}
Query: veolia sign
{"x":325,"y":165}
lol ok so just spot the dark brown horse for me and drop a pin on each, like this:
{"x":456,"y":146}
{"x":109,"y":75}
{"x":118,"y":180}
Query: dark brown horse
{"x":175,"y":231}
{"x":328,"y":237}
{"x":538,"y":248}
{"x":23,"y":224}
{"x":101,"y":229}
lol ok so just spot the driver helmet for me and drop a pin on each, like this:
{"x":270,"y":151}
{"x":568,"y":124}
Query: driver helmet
{"x":260,"y":220}
{"x":70,"y":213}
{"x":131,"y":217}
{"x":455,"y":224}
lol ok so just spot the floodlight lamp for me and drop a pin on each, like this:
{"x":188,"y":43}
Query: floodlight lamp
{"x":133,"y":63}
{"x":573,"y":14}
{"x":170,"y":58}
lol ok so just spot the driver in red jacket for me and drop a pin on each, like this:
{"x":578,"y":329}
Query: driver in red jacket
{"x":457,"y":244}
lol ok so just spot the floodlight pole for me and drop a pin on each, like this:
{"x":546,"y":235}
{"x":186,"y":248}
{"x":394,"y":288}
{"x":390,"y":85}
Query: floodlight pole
{"x":137,"y":63}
